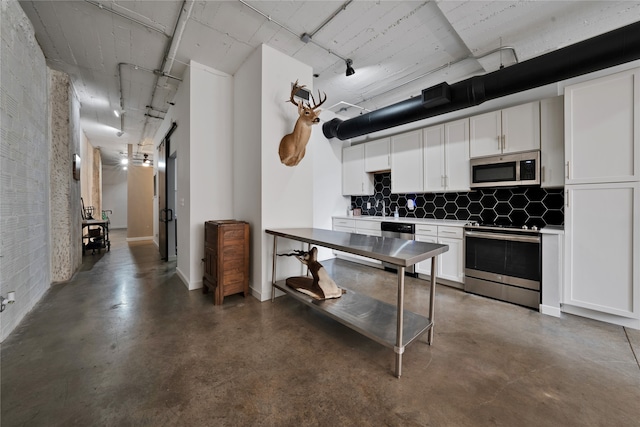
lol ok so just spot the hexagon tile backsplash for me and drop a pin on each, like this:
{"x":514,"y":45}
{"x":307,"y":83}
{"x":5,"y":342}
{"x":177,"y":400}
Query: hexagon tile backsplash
{"x":518,"y":205}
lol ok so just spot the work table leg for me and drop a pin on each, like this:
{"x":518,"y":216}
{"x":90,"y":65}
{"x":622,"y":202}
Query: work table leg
{"x":399,"y":348}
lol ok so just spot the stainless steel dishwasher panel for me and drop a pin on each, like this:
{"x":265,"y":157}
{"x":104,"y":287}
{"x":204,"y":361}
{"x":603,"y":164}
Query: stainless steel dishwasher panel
{"x":398,"y":230}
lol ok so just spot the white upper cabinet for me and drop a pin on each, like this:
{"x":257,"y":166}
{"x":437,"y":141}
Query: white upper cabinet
{"x":456,"y":137}
{"x":552,"y":142}
{"x":355,"y":181}
{"x":602,"y":129}
{"x":511,"y":130}
{"x":407,"y":169}
{"x":434,"y":159}
{"x":486,"y":134}
{"x":446,"y":157}
{"x":376,"y":155}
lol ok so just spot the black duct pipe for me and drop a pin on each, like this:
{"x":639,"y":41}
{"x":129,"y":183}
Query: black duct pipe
{"x":597,"y":53}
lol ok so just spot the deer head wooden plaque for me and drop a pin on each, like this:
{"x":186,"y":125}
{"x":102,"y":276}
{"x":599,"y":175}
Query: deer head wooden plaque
{"x":293,"y":146}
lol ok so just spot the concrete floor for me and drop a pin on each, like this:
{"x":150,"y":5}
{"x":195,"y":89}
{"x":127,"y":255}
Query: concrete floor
{"x":124,"y":343}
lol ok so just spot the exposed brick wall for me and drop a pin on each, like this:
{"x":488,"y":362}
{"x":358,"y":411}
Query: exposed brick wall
{"x":66,"y":216}
{"x":24,"y":167}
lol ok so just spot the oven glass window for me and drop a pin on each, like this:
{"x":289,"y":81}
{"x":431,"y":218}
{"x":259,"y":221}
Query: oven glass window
{"x":485,"y":254}
{"x":523,"y":260}
{"x":496,"y":172}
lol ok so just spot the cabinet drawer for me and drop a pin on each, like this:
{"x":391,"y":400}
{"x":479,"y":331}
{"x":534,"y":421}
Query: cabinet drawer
{"x":338,"y":222}
{"x":450,"y":232}
{"x":367,"y":225}
{"x":345,"y":229}
{"x":427,"y":230}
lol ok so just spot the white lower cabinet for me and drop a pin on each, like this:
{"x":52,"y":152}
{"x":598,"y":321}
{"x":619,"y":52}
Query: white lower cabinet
{"x":451,"y":263}
{"x":424,"y":267}
{"x":602,"y":260}
{"x":369,"y":228}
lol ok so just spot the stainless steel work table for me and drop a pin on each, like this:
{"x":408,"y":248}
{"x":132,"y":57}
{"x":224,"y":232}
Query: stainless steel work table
{"x":389,"y":325}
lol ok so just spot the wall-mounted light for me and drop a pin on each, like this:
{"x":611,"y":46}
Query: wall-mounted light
{"x":350,"y":70}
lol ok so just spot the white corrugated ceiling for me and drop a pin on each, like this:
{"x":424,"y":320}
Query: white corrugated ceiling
{"x":390,"y":43}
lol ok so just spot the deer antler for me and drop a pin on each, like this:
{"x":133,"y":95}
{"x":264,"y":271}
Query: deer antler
{"x":294,"y":90}
{"x":314,"y":100}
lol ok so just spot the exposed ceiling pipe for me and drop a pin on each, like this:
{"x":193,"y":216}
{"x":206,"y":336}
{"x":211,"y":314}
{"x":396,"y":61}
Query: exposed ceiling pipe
{"x":607,"y":50}
{"x":306,"y":38}
{"x":442,"y":67}
{"x":172,"y":46}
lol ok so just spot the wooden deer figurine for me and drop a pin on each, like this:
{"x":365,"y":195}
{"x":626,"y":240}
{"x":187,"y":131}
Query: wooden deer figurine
{"x":293,"y":146}
{"x":321,"y":286}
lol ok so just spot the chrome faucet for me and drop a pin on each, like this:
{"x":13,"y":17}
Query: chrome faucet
{"x":384,"y":212}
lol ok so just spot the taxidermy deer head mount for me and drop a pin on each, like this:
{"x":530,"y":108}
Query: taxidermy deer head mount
{"x":292,"y":146}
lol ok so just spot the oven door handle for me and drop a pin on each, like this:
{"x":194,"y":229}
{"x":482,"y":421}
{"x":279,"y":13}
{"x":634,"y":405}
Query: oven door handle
{"x":499,"y":236}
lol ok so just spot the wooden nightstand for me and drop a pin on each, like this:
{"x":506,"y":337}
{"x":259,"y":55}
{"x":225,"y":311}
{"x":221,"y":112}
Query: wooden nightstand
{"x":226,"y":258}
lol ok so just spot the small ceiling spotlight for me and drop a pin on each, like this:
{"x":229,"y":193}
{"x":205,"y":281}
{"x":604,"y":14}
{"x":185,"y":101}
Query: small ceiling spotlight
{"x":119,"y":134}
{"x":350,"y":70}
{"x":124,"y":161}
{"x":116,"y":113}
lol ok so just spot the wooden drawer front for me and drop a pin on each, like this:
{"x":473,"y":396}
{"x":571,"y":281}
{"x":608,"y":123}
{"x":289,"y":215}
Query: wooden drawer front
{"x":367,"y":225}
{"x":232,"y":235}
{"x":450,"y":232}
{"x":344,"y":222}
{"x":427,"y":230}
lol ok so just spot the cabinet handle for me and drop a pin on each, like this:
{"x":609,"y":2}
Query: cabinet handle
{"x":567,"y":170}
{"x":504,"y":144}
{"x":499,"y":142}
{"x":567,"y":197}
{"x":447,"y":232}
{"x":542,"y":174}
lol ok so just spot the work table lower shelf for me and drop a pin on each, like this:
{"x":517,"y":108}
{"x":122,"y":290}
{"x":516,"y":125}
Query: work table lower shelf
{"x":372,"y":318}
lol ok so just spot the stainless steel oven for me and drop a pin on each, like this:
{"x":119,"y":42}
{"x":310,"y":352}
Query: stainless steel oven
{"x":506,"y":170}
{"x":504,"y":263}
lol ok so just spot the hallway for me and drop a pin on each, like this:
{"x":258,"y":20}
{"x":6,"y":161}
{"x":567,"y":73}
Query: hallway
{"x":124,"y":343}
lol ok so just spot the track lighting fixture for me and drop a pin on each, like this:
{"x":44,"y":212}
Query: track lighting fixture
{"x":146,"y":161}
{"x":350,"y":70}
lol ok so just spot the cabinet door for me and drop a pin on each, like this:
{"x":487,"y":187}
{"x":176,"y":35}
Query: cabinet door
{"x":376,"y":155}
{"x":601,"y":132}
{"x":406,"y":163}
{"x":450,"y":263}
{"x":355,"y":181}
{"x":485,"y":134}
{"x":601,"y":248}
{"x":521,"y":128}
{"x":434,"y":158}
{"x":457,"y":167}
{"x":552,"y":142}
{"x":424,"y":267}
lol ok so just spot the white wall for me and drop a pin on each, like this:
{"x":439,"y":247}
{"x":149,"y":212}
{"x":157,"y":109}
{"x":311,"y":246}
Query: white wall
{"x":247,"y":158}
{"x":327,"y":180}
{"x":114,"y":195}
{"x":210,"y":163}
{"x":202,"y":144}
{"x":24,"y":168}
{"x":274,"y":195}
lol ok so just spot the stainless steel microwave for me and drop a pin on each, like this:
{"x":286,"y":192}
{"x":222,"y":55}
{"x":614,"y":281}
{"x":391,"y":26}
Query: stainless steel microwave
{"x":506,"y":170}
